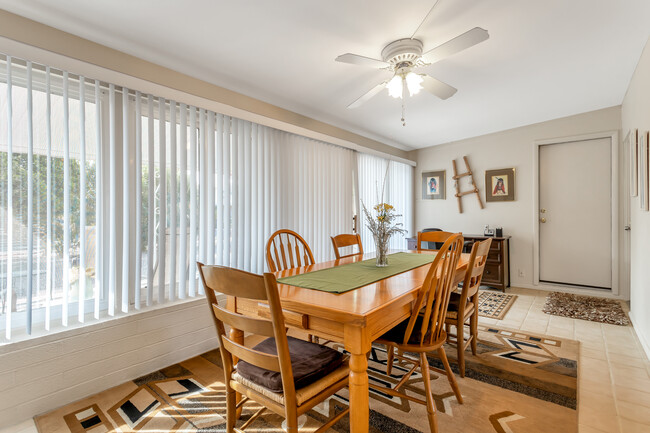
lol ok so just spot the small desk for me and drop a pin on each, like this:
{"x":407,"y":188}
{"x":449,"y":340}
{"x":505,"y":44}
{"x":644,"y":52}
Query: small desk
{"x":355,"y":318}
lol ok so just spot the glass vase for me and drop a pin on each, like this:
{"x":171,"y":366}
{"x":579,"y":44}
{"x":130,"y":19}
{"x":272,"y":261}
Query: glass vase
{"x":382,"y":253}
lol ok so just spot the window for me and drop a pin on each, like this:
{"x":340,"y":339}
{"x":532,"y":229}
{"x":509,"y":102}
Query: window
{"x":109,"y":196}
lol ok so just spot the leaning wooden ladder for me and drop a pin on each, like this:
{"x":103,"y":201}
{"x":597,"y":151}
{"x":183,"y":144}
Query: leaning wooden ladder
{"x":457,"y":178}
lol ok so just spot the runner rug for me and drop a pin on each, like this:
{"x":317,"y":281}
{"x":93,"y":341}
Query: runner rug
{"x":494,"y":305}
{"x":512,"y":385}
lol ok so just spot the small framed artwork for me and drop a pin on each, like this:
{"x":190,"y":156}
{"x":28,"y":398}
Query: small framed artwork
{"x":500,"y":185}
{"x":433,"y":185}
{"x":633,"y":143}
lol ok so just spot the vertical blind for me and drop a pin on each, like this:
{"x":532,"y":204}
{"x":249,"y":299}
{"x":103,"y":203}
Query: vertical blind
{"x":109,"y":196}
{"x":394,"y":179}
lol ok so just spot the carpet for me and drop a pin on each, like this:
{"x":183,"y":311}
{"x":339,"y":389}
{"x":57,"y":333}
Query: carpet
{"x":189,"y":396}
{"x":586,"y":308}
{"x":494,"y":305}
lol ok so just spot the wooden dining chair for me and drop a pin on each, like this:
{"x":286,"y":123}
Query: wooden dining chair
{"x":283,"y":374}
{"x":345,"y":240}
{"x":439,"y":237}
{"x":286,"y":249}
{"x":463,"y":306}
{"x":424,"y":332}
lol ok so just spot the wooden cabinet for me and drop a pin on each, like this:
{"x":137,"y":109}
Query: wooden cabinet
{"x":497,"y":268}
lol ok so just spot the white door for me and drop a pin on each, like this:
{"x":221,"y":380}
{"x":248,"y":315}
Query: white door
{"x":575,"y":213}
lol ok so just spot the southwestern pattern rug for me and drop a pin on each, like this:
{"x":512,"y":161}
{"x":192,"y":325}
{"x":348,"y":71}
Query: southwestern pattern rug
{"x":499,"y":393}
{"x":586,"y":308}
{"x":494,"y":305}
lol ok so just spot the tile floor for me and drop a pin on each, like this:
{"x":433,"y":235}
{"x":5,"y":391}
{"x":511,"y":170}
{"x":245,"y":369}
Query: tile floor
{"x":614,"y":372}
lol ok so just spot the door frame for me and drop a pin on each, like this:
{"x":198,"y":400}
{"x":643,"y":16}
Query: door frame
{"x":613,"y":136}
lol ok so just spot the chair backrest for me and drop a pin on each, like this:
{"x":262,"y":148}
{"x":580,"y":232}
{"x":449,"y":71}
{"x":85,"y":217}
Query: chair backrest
{"x":286,"y":249}
{"x":475,"y":268}
{"x":434,"y":295}
{"x":438,"y":236}
{"x":241,"y":284}
{"x":346,"y":240}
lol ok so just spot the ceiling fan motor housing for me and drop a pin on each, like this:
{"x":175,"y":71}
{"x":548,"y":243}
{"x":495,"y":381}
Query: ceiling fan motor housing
{"x":403,"y":53}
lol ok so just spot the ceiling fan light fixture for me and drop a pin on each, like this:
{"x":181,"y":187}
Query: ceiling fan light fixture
{"x":414,"y":83}
{"x":395,"y":86}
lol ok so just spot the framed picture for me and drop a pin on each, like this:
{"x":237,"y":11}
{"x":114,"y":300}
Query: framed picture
{"x":500,"y":185}
{"x":633,"y":143}
{"x":433,"y":185}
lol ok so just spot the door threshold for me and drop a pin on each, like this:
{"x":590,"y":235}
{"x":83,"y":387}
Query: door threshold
{"x":576,"y":286}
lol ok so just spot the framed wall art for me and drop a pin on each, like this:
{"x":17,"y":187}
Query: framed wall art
{"x":500,"y":185}
{"x":633,"y":143}
{"x":433,"y":185}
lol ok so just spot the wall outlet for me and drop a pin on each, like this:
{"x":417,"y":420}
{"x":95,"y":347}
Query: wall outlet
{"x":520,"y":272}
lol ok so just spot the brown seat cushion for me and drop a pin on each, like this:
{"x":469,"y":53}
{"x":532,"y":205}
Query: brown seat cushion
{"x":396,"y":334}
{"x":309,"y":362}
{"x":454,"y":305}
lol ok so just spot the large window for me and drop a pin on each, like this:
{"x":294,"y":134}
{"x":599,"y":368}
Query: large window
{"x":384,"y":181}
{"x":109,"y":196}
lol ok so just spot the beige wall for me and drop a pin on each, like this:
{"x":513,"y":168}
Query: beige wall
{"x":635,"y":113}
{"x":32,"y":33}
{"x":511,"y":148}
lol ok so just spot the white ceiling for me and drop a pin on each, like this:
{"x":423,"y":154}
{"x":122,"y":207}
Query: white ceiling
{"x":544,"y":59}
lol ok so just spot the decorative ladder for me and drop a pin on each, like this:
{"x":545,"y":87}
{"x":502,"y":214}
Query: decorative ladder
{"x":457,"y":178}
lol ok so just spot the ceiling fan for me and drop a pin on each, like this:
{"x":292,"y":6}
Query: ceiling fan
{"x":404,"y":58}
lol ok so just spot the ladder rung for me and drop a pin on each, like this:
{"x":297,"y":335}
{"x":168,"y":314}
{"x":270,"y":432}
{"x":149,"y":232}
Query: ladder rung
{"x":458,"y":176}
{"x":460,"y":194}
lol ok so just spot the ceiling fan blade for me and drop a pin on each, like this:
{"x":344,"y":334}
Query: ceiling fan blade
{"x":365,"y":97}
{"x":356,"y":59}
{"x":437,"y":87}
{"x":459,"y":43}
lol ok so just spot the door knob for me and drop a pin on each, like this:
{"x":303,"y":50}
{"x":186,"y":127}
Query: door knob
{"x":542,"y":220}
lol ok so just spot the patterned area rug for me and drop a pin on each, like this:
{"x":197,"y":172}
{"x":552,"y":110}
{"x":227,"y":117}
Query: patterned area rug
{"x":494,"y":304}
{"x":189,"y":396}
{"x":586,"y":308}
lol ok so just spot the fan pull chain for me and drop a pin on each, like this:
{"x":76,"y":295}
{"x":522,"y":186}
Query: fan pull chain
{"x":403,"y":113}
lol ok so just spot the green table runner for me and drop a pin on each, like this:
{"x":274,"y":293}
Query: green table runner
{"x":340,"y":279}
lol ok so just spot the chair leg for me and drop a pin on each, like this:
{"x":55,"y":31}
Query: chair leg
{"x":390,"y":352}
{"x":450,"y":374}
{"x":460,"y":347}
{"x":231,"y":411}
{"x":292,"y":424}
{"x":473,"y":326}
{"x":431,"y":407}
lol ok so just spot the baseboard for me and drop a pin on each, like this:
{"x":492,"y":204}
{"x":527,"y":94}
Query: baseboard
{"x":645,"y":341}
{"x":576,"y":291}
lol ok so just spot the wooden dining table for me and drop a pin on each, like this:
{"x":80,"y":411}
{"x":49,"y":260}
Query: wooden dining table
{"x":355,"y":318}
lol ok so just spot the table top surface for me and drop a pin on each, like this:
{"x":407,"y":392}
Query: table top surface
{"x":359,"y":302}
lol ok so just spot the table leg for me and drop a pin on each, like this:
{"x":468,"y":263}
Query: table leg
{"x":358,"y":346}
{"x":237,"y":336}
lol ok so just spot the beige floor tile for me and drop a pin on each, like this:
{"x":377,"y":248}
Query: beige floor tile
{"x":634,"y":412}
{"x":625,"y":349}
{"x":632,"y":396}
{"x":622,"y":360}
{"x":599,"y":417}
{"x":592,"y":353}
{"x":633,"y":383}
{"x":588,"y":429}
{"x":588,"y":384}
{"x":629,"y":426}
{"x":629,"y":372}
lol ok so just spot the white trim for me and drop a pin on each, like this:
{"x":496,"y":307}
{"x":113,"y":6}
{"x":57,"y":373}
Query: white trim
{"x":584,"y":291}
{"x":58,"y":61}
{"x":645,"y":343}
{"x":613,"y":136}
